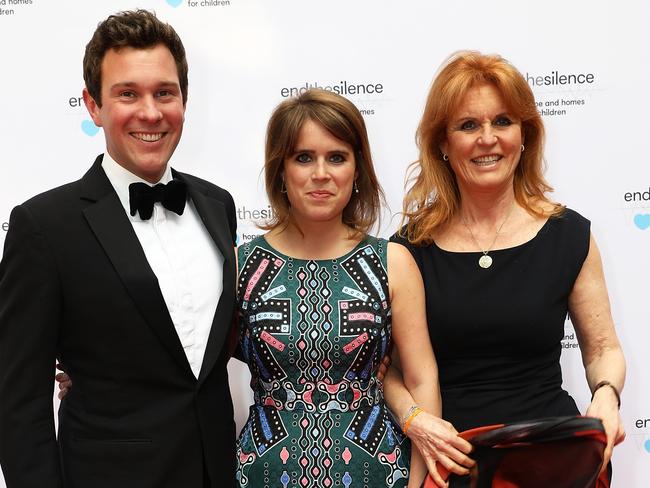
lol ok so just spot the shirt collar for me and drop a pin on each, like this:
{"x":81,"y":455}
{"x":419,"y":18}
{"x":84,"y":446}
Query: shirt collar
{"x":121,"y":178}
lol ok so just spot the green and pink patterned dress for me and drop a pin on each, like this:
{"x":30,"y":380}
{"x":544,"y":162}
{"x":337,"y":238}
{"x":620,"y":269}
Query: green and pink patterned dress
{"x":313,"y":333}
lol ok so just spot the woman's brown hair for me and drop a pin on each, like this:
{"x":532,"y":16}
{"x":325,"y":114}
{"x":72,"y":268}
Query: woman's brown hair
{"x":343,"y":120}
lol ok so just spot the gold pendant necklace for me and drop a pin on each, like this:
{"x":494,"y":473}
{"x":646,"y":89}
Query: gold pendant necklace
{"x":485,"y":261}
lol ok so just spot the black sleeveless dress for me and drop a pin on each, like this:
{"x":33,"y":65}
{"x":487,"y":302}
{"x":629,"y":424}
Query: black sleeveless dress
{"x":497,"y":332}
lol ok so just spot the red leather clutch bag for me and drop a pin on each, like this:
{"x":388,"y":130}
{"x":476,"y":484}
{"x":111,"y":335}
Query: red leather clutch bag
{"x":553,"y":452}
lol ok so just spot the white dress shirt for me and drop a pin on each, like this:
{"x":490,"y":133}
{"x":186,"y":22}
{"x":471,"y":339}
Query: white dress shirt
{"x":184,"y":258}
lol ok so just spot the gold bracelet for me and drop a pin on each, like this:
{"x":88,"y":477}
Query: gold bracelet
{"x":416,"y":411}
{"x":607,"y":383}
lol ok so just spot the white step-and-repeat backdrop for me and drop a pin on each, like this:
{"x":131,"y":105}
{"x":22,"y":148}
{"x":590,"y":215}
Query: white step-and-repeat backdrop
{"x":588,"y":62}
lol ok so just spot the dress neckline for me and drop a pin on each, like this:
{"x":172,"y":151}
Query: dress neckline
{"x":358,"y":246}
{"x":541,"y":230}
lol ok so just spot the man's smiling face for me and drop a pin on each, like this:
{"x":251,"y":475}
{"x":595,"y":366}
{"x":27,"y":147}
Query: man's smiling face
{"x":142,"y":110}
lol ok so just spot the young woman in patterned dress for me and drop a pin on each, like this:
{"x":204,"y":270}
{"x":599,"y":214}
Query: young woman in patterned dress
{"x":320,"y":302}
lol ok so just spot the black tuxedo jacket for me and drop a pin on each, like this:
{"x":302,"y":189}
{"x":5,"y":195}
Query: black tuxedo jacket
{"x":75,"y":286}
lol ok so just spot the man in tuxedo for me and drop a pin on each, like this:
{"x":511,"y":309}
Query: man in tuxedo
{"x":127,"y":277}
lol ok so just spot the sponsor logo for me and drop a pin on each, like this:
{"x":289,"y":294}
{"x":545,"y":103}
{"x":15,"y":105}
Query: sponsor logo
{"x":362,"y":93}
{"x":344,"y":87}
{"x":253,"y":214}
{"x":89,"y":128}
{"x":247,"y":218}
{"x":570,"y":85}
{"x":557,"y":78}
{"x":641,"y":200}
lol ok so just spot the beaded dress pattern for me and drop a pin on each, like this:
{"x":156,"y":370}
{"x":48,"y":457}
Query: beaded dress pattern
{"x":313,"y":333}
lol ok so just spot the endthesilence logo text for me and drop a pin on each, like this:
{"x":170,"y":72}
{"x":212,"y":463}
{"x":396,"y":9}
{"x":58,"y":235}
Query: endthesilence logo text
{"x":352,"y":90}
{"x":343,"y":87}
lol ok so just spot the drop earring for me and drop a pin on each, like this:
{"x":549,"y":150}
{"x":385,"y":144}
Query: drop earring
{"x":356,"y":188}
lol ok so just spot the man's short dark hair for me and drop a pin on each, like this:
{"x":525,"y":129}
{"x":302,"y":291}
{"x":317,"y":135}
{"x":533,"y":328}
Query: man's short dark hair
{"x":138,"y":29}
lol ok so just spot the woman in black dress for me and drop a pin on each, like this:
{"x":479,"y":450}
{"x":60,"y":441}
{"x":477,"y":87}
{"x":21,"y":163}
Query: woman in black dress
{"x":502,"y":264}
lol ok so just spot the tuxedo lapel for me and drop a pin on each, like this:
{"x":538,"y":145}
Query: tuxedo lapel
{"x":214,"y":217}
{"x":112,"y":228}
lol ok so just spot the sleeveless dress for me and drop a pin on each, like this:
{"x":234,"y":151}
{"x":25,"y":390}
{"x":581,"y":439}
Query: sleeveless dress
{"x":497,"y":332}
{"x":313,"y":333}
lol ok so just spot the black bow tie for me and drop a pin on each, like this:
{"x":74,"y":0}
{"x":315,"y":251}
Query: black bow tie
{"x":142,"y":197}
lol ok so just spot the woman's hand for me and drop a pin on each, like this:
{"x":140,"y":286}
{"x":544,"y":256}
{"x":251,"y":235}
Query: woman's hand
{"x":384,"y":365}
{"x":605,"y":407}
{"x":438,"y":442}
{"x":64,"y":381}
